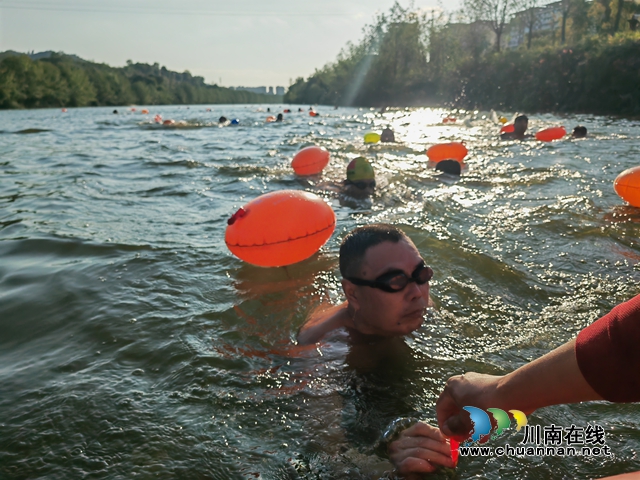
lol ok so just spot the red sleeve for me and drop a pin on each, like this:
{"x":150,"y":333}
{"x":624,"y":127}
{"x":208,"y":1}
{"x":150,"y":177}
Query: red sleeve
{"x":608,"y":353}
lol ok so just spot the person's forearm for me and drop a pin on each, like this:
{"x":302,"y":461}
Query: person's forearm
{"x":322,"y":321}
{"x":549,"y":380}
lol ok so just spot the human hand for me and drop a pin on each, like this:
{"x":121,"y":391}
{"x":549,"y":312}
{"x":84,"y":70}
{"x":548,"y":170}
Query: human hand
{"x":473,"y":389}
{"x":420,"y":448}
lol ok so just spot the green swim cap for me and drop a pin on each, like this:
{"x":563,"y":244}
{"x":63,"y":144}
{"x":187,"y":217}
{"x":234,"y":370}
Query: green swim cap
{"x":360,"y":169}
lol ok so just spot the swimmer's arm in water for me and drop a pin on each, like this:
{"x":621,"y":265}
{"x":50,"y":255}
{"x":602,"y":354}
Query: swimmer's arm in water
{"x":321,"y":322}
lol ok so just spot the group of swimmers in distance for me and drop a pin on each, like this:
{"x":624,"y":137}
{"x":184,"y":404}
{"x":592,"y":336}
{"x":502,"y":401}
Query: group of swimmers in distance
{"x":521,"y":123}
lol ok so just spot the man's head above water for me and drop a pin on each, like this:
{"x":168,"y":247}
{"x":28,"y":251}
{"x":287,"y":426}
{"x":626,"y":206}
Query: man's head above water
{"x":356,"y":243}
{"x":386,"y":284}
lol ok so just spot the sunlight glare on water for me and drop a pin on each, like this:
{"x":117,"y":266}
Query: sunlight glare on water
{"x":134,"y":344}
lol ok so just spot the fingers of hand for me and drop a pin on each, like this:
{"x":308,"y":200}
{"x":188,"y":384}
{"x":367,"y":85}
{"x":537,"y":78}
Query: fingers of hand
{"x":414,"y":465}
{"x":418,"y":455}
{"x":434,"y":451}
{"x":446,"y":406}
{"x":458,"y":426}
{"x":422,"y":429}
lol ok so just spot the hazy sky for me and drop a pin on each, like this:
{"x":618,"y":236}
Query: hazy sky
{"x":242,"y":42}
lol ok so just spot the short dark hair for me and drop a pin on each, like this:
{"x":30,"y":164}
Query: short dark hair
{"x":358,"y":241}
{"x":520,"y":118}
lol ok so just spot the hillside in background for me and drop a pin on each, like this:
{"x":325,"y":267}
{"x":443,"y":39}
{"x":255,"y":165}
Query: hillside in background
{"x":585,"y":59}
{"x":50,"y":79}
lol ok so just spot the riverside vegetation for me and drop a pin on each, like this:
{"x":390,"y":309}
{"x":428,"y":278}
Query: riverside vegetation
{"x":406,"y":59}
{"x":67,"y":81}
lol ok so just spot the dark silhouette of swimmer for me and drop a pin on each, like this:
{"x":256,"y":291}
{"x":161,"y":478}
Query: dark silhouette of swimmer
{"x":387,"y":136}
{"x":451,"y":167}
{"x":268,"y":109}
{"x":300,"y":110}
{"x":520,"y":125}
{"x":279,"y":118}
{"x":579,"y":132}
{"x":115,"y":111}
{"x":222,"y":120}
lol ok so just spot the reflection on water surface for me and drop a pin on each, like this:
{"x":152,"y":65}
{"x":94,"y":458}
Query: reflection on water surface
{"x":134,"y":344}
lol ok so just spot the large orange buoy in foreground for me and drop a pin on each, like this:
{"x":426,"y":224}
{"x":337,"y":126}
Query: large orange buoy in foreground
{"x":550,"y":134}
{"x":627,"y":185}
{"x":280,"y":228}
{"x":447,"y":151}
{"x":310,"y":160}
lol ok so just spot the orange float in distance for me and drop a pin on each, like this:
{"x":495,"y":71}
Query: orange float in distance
{"x":627,"y":186}
{"x":144,"y":111}
{"x":280,"y":228}
{"x":507,"y":128}
{"x":310,"y":160}
{"x":169,"y":122}
{"x":447,"y":151}
{"x":313,"y":114}
{"x":449,"y":120}
{"x":550,"y":134}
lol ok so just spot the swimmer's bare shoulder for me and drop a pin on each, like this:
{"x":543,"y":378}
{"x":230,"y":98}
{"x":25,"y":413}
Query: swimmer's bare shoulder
{"x":322,"y":321}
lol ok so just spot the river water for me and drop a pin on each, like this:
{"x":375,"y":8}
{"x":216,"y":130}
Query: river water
{"x":133,"y":344}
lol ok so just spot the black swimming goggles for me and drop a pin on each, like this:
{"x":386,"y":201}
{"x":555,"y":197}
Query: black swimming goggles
{"x":396,"y":280}
{"x":361,"y":184}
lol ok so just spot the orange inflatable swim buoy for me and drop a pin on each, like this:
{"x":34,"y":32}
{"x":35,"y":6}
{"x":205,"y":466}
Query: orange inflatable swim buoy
{"x":280,"y":228}
{"x":627,"y":186}
{"x":313,"y":114}
{"x":144,"y":111}
{"x":270,"y":119}
{"x":169,"y":122}
{"x":310,"y":160}
{"x":507,"y":128}
{"x":449,"y":120}
{"x":447,"y":151}
{"x":550,"y":134}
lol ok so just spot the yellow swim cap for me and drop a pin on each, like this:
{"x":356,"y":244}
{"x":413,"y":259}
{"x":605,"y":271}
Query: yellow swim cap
{"x":360,"y":169}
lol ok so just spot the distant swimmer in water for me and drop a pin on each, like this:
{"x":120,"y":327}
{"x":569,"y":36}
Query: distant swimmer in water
{"x":387,"y":136}
{"x":360,"y":182}
{"x":452,"y":167}
{"x":115,"y":112}
{"x":222,"y":120}
{"x":300,"y":109}
{"x":520,"y":125}
{"x":579,"y":132}
{"x":268,"y":109}
{"x":279,"y":118}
